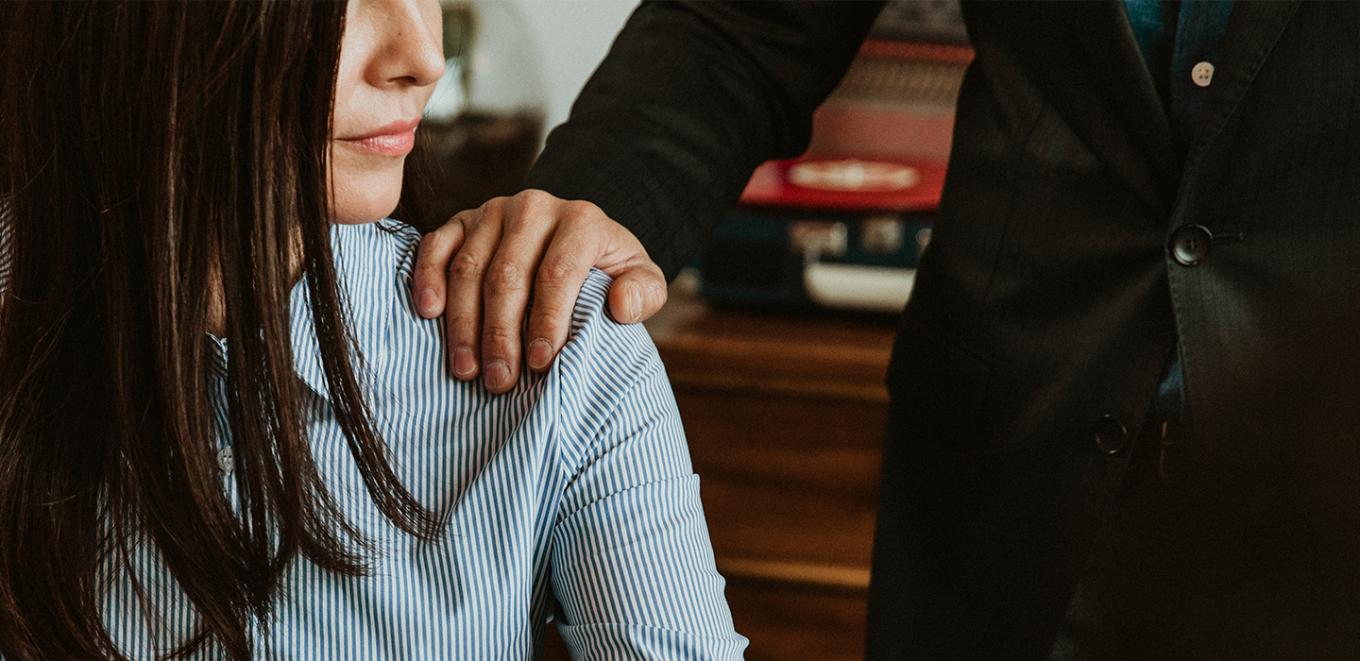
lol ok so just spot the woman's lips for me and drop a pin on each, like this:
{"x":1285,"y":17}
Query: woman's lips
{"x":395,"y":139}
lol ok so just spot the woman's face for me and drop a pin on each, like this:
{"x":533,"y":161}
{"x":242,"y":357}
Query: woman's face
{"x":390,"y":58}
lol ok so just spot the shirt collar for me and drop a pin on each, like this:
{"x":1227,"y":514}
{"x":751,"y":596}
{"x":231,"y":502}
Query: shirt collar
{"x":366,"y":268}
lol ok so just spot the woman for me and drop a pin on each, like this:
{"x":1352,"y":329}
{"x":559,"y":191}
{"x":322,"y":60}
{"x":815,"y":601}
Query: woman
{"x":224,"y":431}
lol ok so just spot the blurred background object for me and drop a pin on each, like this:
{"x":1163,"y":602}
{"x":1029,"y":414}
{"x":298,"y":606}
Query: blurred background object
{"x":929,"y":21}
{"x":843,"y":226}
{"x":778,"y":367}
{"x":484,"y":124}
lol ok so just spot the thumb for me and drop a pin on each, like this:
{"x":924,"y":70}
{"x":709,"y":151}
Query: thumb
{"x":637,"y":293}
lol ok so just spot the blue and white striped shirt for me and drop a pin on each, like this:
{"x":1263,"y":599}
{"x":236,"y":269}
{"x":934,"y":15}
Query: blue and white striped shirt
{"x":575,"y":488}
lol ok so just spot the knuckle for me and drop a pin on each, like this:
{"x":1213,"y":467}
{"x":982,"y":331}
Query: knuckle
{"x":585,"y":207}
{"x":556,"y":272}
{"x":534,"y":196}
{"x":493,"y":204}
{"x":497,"y":338}
{"x":518,"y":223}
{"x":426,"y":269}
{"x":580,"y":211}
{"x":531,"y":211}
{"x":429,"y":248}
{"x":504,"y":277}
{"x":463,"y":329}
{"x":468,"y":266}
{"x":466,"y":218}
{"x":545,"y":322}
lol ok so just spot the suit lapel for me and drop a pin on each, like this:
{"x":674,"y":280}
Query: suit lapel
{"x":1125,"y":86}
{"x":1084,"y":57}
{"x":1253,"y":29}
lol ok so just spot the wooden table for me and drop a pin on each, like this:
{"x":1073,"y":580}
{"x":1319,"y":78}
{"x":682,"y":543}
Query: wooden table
{"x":785,"y":416}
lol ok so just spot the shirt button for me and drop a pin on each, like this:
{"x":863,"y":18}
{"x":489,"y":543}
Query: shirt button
{"x":1111,"y":434}
{"x":1202,"y":74}
{"x":1190,"y":244}
{"x":226,"y":460}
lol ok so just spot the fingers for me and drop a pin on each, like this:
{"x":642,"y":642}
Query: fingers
{"x":527,"y":227}
{"x":432,"y":266}
{"x":509,"y":247}
{"x":567,"y":261}
{"x":463,"y":307}
{"x":639,"y":291}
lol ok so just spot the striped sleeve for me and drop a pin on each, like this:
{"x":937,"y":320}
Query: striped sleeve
{"x":632,"y":564}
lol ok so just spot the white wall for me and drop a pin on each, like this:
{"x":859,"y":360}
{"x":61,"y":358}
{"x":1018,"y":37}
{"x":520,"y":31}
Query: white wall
{"x":572,"y":37}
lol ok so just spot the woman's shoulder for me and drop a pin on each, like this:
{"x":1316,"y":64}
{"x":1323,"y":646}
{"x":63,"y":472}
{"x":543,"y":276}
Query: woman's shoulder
{"x":597,"y":347}
{"x":611,"y":380}
{"x":601,"y":359}
{"x":598,"y":344}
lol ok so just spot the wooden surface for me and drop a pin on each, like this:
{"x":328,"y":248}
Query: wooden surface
{"x":785,"y":417}
{"x":817,"y":357}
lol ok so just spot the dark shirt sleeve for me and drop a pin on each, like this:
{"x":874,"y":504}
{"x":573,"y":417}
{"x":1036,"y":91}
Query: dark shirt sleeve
{"x":690,"y":99}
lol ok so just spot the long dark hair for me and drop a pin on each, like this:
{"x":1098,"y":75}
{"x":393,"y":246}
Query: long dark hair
{"x":150,"y":148}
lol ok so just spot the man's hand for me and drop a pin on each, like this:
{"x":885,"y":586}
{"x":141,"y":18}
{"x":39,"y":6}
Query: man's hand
{"x":479,"y":268}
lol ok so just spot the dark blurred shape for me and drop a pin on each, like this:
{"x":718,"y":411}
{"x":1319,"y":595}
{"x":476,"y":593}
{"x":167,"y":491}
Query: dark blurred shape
{"x":461,"y":163}
{"x":484,"y":123}
{"x":842,"y":228}
{"x":936,"y":21}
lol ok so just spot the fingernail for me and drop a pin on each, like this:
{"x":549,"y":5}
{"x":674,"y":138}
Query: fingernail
{"x":426,"y":301}
{"x":464,"y":364}
{"x":540,"y":352}
{"x":634,"y":303}
{"x":497,"y":374}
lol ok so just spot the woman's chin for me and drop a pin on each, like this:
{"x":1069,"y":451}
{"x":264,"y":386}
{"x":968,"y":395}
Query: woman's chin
{"x":354,"y":207}
{"x":360,"y":219}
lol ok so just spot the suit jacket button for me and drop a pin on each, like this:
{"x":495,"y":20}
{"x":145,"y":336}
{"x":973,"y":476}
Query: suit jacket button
{"x":1111,"y":434}
{"x":1190,"y":244}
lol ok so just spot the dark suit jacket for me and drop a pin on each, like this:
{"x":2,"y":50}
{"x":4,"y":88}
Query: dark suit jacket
{"x":1048,"y":300}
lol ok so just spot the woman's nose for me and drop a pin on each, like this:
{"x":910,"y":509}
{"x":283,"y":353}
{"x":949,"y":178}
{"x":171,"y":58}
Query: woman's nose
{"x":411,"y":50}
